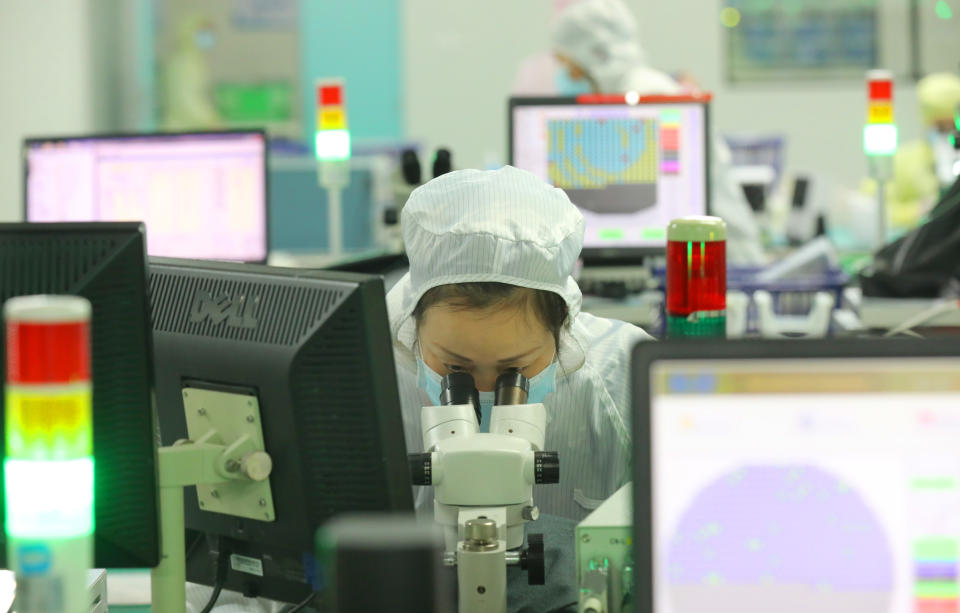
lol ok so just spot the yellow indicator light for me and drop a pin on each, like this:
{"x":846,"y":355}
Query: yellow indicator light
{"x":48,"y":425}
{"x":331,"y":119}
{"x":880,"y":112}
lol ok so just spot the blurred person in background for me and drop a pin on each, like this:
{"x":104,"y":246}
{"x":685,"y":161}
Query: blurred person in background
{"x":598,"y":43}
{"x":923,"y":168}
{"x":187,"y":91}
{"x":540,"y":74}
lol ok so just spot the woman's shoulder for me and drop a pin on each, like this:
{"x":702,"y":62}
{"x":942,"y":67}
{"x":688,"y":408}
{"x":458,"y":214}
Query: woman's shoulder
{"x":607,"y":339}
{"x":608,"y":347}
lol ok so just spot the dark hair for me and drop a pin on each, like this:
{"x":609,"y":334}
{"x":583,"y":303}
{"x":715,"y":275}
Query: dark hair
{"x":550,"y":308}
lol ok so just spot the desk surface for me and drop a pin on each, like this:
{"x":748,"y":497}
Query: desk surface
{"x":125,"y":588}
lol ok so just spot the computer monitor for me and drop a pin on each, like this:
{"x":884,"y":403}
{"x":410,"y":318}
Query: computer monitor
{"x":630,"y":168}
{"x":797,"y":476}
{"x":201,"y":195}
{"x":105,"y":263}
{"x":312,"y":350}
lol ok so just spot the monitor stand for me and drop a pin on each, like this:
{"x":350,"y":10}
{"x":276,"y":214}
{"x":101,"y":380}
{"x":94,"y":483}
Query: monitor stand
{"x":225,"y":459}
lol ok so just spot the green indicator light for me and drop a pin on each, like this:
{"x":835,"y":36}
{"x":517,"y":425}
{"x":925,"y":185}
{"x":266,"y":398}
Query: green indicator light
{"x":333,"y":145}
{"x":880,"y":139}
{"x":935,"y":550}
{"x":943,"y":10}
{"x":730,"y":17}
{"x":654,"y":233}
{"x":678,"y":326}
{"x":63,"y":507}
{"x":934,"y":483}
{"x":936,"y":589}
{"x":611,"y":234}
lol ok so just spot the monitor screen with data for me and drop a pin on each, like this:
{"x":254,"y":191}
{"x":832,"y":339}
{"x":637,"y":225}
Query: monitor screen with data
{"x":202,"y":195}
{"x":794,"y":485}
{"x":629,"y":168}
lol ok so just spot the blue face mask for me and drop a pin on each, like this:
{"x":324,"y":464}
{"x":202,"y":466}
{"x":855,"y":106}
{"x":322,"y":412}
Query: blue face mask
{"x":486,"y":410}
{"x":428,"y":381}
{"x":543,"y":384}
{"x":569,"y":87}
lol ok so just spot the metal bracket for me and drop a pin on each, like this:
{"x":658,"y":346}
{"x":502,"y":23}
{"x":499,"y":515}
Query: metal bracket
{"x":233,"y":421}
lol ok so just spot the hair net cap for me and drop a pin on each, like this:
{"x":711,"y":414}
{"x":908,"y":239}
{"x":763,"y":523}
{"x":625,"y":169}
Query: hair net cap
{"x":504,"y":225}
{"x":601,"y":37}
{"x":939,"y":95}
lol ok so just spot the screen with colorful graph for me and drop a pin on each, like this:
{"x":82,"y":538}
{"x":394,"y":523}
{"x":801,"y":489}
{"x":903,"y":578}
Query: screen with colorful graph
{"x":629,"y":168}
{"x":201,"y":196}
{"x":806,"y":485}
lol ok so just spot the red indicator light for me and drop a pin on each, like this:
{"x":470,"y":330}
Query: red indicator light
{"x":52,"y":352}
{"x":330,"y":95}
{"x":881,"y":90}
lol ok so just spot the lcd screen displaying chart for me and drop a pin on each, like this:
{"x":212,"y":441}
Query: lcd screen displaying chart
{"x":200,"y":195}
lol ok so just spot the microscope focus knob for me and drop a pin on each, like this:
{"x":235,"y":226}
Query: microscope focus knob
{"x":546,"y":467}
{"x":532,"y":560}
{"x":421,"y":468}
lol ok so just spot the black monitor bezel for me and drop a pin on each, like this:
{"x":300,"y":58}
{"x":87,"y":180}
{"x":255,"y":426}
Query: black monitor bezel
{"x":617,"y":255}
{"x":261,"y":132}
{"x":135,"y":230}
{"x":646,"y":354}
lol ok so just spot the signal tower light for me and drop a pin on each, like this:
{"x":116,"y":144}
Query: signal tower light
{"x":333,"y":137}
{"x":880,"y":131}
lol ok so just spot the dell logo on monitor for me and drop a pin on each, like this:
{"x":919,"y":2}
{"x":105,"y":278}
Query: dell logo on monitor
{"x":239,"y":311}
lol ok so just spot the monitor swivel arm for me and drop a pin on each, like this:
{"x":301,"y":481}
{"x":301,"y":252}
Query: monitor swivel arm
{"x":228,"y":465}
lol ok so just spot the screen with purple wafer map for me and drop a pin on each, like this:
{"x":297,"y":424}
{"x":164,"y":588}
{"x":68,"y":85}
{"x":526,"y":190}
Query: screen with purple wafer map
{"x":787,"y":486}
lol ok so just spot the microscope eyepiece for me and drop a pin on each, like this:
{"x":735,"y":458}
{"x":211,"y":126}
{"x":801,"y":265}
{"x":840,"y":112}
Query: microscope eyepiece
{"x":512,"y":388}
{"x":459,"y":388}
